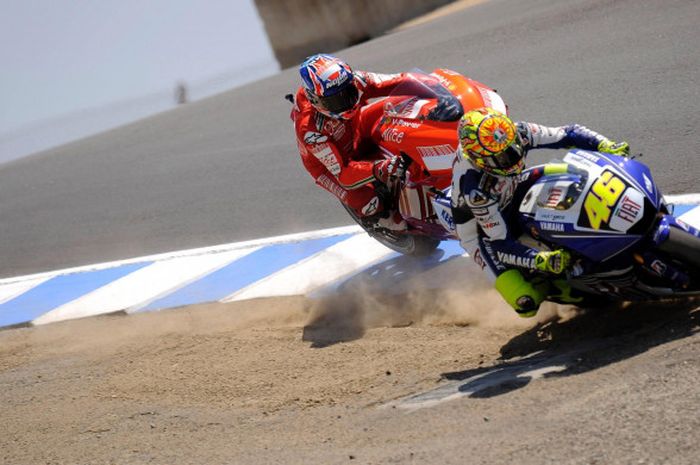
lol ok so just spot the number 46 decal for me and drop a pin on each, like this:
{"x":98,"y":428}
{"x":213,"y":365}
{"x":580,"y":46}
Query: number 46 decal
{"x":602,"y":197}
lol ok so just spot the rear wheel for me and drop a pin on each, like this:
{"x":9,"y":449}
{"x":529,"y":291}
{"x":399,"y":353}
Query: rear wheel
{"x":404,"y":243}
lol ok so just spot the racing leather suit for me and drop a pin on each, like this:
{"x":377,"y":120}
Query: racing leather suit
{"x":490,"y":237}
{"x":338,"y":153}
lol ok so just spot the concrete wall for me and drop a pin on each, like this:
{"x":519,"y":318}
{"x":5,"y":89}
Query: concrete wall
{"x":298,"y":28}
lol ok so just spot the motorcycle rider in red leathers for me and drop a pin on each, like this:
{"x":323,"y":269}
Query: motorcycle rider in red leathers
{"x":487,"y":170}
{"x":333,"y":135}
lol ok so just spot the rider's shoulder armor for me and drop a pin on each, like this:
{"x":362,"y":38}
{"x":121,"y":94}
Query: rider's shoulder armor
{"x":477,"y":187}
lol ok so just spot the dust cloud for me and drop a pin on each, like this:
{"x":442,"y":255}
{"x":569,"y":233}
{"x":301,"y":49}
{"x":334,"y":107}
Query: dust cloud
{"x":474,"y":303}
{"x":344,"y":316}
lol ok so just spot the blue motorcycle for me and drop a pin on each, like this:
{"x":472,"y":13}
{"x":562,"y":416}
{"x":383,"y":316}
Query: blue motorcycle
{"x":609,"y":213}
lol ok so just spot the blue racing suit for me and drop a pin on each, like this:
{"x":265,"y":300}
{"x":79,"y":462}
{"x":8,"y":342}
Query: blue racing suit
{"x":490,"y":237}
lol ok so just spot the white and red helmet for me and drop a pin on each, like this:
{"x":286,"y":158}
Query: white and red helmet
{"x":330,"y":86}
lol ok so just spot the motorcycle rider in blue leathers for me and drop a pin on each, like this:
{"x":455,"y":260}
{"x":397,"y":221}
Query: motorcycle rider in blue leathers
{"x":490,"y":160}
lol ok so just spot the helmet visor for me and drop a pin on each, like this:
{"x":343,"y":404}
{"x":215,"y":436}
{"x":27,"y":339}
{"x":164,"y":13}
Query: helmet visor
{"x":506,"y":159}
{"x":341,"y":101}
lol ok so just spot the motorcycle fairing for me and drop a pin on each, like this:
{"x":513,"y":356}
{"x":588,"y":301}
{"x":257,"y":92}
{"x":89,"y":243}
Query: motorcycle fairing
{"x":598,"y":214}
{"x":443,"y":209}
{"x":418,"y":122}
{"x":669,"y":221}
{"x":634,"y":172}
{"x":427,"y":212}
{"x":420,"y":117}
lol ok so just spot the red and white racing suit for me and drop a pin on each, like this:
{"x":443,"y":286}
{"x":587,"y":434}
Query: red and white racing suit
{"x":339,"y":154}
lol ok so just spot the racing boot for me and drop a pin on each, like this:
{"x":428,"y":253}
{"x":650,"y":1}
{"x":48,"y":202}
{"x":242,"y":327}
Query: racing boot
{"x":393,"y":222}
{"x":524,"y":296}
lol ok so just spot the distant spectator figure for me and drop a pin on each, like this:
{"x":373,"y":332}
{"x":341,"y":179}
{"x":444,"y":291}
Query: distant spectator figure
{"x":180,"y":93}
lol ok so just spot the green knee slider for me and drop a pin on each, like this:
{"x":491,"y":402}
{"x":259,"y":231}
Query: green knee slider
{"x":521,"y":294}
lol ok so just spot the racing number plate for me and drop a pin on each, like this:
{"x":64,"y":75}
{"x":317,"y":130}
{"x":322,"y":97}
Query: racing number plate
{"x":600,"y":201}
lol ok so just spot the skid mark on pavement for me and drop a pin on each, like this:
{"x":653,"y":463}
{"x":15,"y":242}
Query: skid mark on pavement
{"x":490,"y":381}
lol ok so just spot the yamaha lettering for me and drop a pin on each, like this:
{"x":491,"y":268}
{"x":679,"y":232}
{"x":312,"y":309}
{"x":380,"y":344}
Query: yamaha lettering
{"x":546,"y":226}
{"x":515,"y":260}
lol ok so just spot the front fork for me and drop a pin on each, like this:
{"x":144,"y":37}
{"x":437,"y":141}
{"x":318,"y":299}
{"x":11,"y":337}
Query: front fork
{"x":654,"y":263}
{"x":664,"y":225}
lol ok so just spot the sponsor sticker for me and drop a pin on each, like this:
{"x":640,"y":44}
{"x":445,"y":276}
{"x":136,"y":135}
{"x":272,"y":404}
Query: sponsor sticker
{"x":335,"y":127}
{"x":479,"y":259}
{"x":332,"y":187}
{"x":371,"y":207}
{"x":393,"y":135}
{"x":549,"y":216}
{"x":629,"y":210}
{"x":325,"y":155}
{"x":404,"y":123}
{"x":448,"y":219}
{"x":659,"y":267}
{"x":600,"y":200}
{"x":436,"y":150}
{"x":315,"y":138}
{"x":553,"y":197}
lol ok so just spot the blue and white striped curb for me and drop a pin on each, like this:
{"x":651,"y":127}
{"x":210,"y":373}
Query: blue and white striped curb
{"x":315,"y":263}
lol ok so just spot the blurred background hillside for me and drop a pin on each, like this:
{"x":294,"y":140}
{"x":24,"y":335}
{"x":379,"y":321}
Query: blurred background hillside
{"x":72,"y":68}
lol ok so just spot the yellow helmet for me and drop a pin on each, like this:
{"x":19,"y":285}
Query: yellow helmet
{"x":490,"y":140}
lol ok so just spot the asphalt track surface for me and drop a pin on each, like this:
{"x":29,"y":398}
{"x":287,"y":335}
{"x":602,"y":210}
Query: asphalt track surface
{"x":226,"y":168}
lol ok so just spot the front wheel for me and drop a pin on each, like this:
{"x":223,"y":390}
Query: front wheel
{"x":403,"y":243}
{"x":682,"y":246}
{"x":684,"y":249}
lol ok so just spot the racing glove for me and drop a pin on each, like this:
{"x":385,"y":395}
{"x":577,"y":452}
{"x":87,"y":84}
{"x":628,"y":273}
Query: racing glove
{"x":555,"y":262}
{"x":614,"y":148}
{"x":384,"y":170}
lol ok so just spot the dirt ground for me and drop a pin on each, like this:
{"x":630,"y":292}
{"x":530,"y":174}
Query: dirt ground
{"x":296,"y":381}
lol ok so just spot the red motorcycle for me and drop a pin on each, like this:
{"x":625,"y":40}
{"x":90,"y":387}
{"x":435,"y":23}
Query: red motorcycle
{"x":418,"y":122}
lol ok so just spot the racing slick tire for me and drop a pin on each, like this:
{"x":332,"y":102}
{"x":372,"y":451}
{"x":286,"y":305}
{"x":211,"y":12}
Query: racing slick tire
{"x":403,"y":243}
